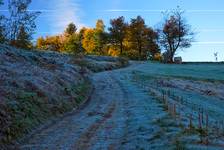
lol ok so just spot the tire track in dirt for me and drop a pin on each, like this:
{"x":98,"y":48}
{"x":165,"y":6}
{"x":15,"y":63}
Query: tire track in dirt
{"x":94,"y":137}
{"x":82,"y":126}
{"x":85,"y":138}
{"x":126,"y":112}
{"x":110,"y":120}
{"x":110,"y":128}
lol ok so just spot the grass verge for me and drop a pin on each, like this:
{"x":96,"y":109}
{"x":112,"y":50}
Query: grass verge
{"x":19,"y":117}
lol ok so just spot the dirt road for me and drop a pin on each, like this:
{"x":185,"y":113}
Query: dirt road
{"x":119,"y":115}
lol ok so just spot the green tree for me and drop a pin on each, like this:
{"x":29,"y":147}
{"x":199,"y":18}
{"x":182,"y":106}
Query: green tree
{"x":73,"y":39}
{"x":19,"y":16}
{"x":117,"y":32}
{"x":81,"y":37}
{"x":72,"y":45}
{"x":23,"y":39}
{"x":100,"y":37}
{"x":71,"y":29}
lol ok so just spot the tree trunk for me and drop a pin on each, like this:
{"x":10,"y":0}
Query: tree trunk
{"x":139,"y":50}
{"x":121,"y":47}
{"x":170,"y":60}
{"x":171,"y":56}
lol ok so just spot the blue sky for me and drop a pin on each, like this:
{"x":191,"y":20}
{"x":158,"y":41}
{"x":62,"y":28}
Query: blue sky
{"x":205,"y":16}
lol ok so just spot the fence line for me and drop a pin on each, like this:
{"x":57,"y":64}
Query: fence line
{"x":198,"y":119}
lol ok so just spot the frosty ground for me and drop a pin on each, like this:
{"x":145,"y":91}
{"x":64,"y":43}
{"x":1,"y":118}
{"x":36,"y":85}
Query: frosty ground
{"x":127,"y":111}
{"x":37,"y":86}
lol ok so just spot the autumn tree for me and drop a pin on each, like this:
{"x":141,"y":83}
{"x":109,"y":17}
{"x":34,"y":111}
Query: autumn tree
{"x":100,"y":26}
{"x":53,"y":43}
{"x":94,"y":40}
{"x":68,"y":42}
{"x":117,"y":32}
{"x":20,"y":17}
{"x":141,"y":37}
{"x":40,"y":43}
{"x":175,"y":34}
{"x":89,"y":42}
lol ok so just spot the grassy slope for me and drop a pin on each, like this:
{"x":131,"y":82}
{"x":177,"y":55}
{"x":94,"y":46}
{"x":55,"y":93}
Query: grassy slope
{"x":36,"y":86}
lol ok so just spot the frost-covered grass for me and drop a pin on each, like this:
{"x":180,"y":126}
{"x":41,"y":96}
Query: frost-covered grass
{"x":210,"y":72}
{"x":193,"y":96}
{"x":36,"y":86}
{"x":101,"y":63}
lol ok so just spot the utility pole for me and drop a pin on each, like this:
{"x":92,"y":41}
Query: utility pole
{"x":216,"y":56}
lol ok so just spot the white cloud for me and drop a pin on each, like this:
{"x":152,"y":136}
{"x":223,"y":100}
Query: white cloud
{"x":65,"y":12}
{"x":57,"y":14}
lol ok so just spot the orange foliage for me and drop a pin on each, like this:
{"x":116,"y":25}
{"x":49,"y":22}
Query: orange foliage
{"x":158,"y":57}
{"x":113,"y":52}
{"x":89,"y":42}
{"x":54,"y":43}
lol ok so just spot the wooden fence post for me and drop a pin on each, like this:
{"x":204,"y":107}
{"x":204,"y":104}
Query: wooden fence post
{"x":190,"y":122}
{"x":202,"y":114}
{"x":207,"y":121}
{"x":174,"y":110}
{"x":199,"y":120}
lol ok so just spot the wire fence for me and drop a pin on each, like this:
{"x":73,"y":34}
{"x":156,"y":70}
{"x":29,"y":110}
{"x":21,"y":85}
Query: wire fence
{"x":190,"y":115}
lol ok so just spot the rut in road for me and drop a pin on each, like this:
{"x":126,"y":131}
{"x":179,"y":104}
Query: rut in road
{"x":82,"y":143}
{"x":118,"y":116}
